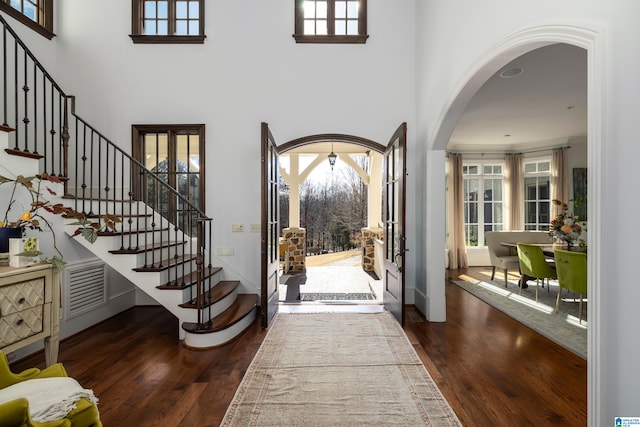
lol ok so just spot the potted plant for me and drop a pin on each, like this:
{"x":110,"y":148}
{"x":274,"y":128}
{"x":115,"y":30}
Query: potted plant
{"x":30,"y":191}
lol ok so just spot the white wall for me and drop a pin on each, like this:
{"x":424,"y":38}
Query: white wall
{"x":248,"y":70}
{"x":454,"y":41}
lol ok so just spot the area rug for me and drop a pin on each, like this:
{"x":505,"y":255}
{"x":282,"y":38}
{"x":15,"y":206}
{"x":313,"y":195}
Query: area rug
{"x":336,"y":296}
{"x":562,"y":327}
{"x":337,"y":369}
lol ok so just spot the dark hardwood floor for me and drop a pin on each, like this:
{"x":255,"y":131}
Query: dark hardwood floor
{"x":492,"y":370}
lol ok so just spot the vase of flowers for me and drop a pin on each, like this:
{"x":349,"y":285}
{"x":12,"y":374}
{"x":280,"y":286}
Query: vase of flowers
{"x":28,"y":209}
{"x":565,"y":227}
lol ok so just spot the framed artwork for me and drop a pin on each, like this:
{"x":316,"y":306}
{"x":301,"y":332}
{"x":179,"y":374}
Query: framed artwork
{"x":580,"y":193}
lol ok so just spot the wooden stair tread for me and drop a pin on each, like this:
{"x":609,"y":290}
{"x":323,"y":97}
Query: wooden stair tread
{"x":121,"y":216}
{"x":96,"y":199}
{"x":146,"y":248}
{"x":26,"y":154}
{"x":219,"y":291}
{"x":127,"y":232}
{"x":240,"y":308}
{"x":189,"y":279}
{"x":165,"y":264}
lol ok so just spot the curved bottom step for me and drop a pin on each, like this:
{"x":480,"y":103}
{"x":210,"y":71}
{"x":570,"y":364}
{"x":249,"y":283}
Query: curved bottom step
{"x":224,"y":327}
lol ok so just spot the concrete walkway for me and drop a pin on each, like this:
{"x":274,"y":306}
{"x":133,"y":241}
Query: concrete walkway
{"x":339,"y":281}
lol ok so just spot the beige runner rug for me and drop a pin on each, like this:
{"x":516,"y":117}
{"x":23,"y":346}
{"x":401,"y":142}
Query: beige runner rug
{"x":337,"y":369}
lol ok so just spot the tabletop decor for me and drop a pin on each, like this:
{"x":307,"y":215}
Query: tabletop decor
{"x":565,"y":228}
{"x":28,"y":208}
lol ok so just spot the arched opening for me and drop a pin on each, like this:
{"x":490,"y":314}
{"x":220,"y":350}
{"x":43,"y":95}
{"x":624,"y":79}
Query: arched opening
{"x":505,"y":51}
{"x":330,"y":219}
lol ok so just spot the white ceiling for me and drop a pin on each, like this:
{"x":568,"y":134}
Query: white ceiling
{"x":544,"y":106}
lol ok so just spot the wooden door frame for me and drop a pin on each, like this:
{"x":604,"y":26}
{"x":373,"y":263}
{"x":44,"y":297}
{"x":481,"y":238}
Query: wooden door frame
{"x":139,"y":130}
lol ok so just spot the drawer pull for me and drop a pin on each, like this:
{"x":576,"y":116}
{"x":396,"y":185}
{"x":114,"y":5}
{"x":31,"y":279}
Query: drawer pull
{"x":22,"y":301}
{"x":19,"y":322}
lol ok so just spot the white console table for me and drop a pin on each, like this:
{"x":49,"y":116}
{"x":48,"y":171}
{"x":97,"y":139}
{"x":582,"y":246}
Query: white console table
{"x":30,"y":308}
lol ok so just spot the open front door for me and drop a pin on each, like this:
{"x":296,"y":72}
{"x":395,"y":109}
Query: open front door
{"x":270,"y":227}
{"x":393,"y":189}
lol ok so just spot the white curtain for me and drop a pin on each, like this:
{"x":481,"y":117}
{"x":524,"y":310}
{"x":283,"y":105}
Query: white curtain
{"x":455,"y":201}
{"x":559,"y":180}
{"x":514,"y":183}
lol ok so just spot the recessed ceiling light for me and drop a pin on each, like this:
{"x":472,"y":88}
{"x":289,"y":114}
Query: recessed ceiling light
{"x":511,"y":72}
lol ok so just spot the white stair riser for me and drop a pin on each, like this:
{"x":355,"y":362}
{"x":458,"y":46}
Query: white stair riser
{"x":221,"y":337}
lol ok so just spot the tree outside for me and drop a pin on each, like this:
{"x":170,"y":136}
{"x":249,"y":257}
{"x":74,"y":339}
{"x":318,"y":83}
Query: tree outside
{"x":333,"y":211}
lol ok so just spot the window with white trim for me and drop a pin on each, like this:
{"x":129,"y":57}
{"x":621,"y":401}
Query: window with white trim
{"x":483,"y":200}
{"x":537,"y":194}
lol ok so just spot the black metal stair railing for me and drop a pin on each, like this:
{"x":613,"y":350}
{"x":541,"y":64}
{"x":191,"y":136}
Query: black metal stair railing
{"x":33,"y":104}
{"x":158,"y":223}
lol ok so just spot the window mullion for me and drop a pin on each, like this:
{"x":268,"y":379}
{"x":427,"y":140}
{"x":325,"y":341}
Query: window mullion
{"x":172,"y":18}
{"x":331,"y":17}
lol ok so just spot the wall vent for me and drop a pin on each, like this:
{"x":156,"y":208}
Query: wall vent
{"x":84,"y":287}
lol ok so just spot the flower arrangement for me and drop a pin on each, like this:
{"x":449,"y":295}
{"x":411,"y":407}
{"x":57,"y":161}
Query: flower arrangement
{"x":34,"y":219}
{"x":565,"y":227}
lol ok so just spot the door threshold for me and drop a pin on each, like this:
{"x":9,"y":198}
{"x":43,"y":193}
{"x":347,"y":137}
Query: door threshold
{"x":331,"y":307}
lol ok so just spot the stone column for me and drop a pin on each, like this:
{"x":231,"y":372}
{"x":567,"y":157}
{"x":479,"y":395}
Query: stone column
{"x":369,"y":235}
{"x":296,"y":243}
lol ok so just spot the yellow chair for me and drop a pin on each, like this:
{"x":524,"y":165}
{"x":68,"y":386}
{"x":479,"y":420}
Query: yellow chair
{"x":15,"y":413}
{"x":534,"y":264}
{"x":572,"y":273}
{"x":84,"y":415}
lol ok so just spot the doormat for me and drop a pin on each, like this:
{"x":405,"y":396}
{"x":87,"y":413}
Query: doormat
{"x":336,"y":296}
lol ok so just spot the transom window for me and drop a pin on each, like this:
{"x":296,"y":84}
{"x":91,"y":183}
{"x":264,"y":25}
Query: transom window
{"x":537,"y":195}
{"x":168,"y":21}
{"x":331,"y":21}
{"x":36,"y":14}
{"x":483,"y":200}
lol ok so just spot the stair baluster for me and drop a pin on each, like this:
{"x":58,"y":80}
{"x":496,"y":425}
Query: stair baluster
{"x":102,"y":179}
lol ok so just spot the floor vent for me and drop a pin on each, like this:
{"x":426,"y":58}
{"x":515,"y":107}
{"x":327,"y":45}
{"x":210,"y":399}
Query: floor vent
{"x":84,"y":287}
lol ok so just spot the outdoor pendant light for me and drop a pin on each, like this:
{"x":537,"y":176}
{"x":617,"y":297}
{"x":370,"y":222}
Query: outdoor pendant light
{"x":332,"y":157}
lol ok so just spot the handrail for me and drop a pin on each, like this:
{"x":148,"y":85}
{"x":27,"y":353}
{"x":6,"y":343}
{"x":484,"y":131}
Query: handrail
{"x":8,"y":28}
{"x":137,"y":163}
{"x":102,"y":178}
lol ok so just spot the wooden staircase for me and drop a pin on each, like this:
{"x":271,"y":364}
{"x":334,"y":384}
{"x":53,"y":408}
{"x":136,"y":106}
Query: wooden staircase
{"x":159,"y":260}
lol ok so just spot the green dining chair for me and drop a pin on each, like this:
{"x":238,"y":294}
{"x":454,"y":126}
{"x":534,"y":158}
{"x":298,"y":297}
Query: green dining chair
{"x":533,"y":263}
{"x":572,"y":274}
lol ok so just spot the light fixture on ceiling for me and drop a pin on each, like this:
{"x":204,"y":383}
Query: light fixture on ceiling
{"x":511,"y":72}
{"x":332,"y":157}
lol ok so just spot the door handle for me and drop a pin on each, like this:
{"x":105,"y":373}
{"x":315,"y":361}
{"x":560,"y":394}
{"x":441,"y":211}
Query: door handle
{"x":395,"y":261}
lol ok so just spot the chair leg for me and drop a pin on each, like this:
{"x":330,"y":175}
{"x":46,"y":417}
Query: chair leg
{"x":558,"y":299}
{"x":521,"y":282}
{"x":537,"y":282}
{"x":493,"y":272}
{"x":505,"y":278}
{"x":580,"y":310}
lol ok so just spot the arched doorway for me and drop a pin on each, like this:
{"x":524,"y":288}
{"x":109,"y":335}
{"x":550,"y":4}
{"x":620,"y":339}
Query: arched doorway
{"x":331,"y":209}
{"x":502,"y":53}
{"x":391,"y":219}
